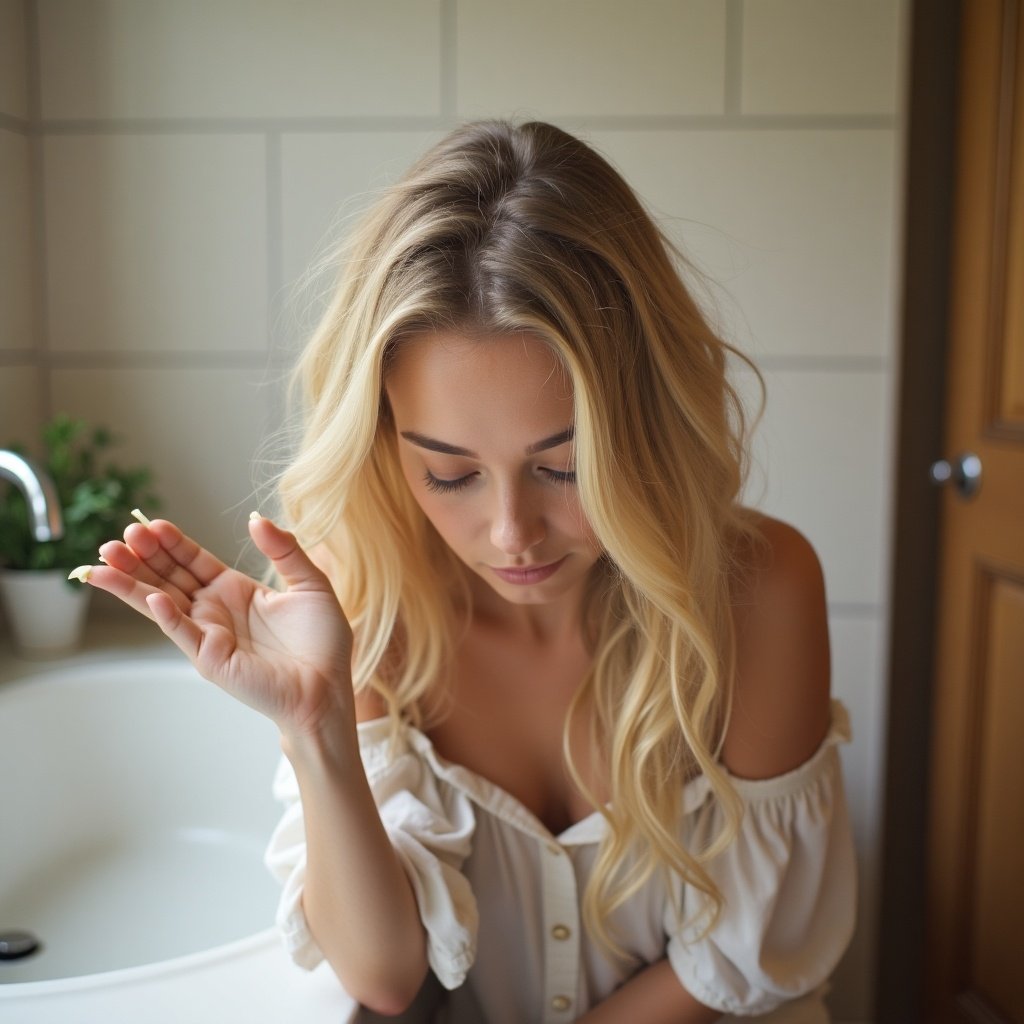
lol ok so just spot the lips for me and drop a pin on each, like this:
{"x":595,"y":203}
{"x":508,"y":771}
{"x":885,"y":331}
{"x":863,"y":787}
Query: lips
{"x":531,"y":574}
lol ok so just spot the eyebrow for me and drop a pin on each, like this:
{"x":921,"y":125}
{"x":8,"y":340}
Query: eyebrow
{"x":432,"y":444}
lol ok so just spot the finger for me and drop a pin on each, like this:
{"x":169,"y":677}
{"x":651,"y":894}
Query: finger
{"x":174,"y":556}
{"x":121,"y":585}
{"x":204,"y":566}
{"x":292,"y":563}
{"x":119,"y":556}
{"x":176,"y":626}
{"x":146,"y":546}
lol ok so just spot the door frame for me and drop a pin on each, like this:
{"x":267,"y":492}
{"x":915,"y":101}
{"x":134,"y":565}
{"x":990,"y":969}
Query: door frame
{"x":929,"y":184}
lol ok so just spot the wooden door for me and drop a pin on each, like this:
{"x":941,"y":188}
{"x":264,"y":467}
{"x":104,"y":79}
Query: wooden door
{"x":975,"y":877}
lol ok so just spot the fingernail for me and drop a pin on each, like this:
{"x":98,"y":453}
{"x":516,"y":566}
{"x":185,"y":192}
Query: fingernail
{"x":255,"y":515}
{"x":81,"y":574}
{"x":102,"y":559}
{"x":141,"y":518}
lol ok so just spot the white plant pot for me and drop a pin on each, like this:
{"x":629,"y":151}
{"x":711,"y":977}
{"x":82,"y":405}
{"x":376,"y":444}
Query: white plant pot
{"x":46,"y":614}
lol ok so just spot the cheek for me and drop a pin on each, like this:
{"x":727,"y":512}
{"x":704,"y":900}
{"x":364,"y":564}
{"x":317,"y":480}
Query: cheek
{"x":448,"y":521}
{"x":572,"y":521}
{"x":453,"y":516}
{"x":453,"y":520}
{"x":458,"y":529}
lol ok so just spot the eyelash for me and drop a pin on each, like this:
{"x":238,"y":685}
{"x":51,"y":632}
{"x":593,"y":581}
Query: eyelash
{"x":451,"y":486}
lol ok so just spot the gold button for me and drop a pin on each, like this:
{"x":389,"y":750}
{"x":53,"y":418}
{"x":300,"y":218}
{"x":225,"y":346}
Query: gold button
{"x":561,"y":1003}
{"x":561,"y":932}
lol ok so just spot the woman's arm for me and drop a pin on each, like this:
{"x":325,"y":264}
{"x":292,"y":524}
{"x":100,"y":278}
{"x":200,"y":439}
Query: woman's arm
{"x":287,"y":654}
{"x":654,"y":996}
{"x":357,"y":898}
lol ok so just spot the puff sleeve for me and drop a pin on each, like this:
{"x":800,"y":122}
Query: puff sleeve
{"x":789,"y":883}
{"x":430,"y":825}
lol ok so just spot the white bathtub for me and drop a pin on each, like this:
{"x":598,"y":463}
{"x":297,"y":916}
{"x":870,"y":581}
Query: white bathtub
{"x":134,"y":809}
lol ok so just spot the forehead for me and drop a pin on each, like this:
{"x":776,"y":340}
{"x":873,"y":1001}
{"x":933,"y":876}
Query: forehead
{"x":485,"y":379}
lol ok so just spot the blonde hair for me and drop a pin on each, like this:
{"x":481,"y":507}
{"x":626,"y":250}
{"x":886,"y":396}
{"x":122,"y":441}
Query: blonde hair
{"x":503,"y":229}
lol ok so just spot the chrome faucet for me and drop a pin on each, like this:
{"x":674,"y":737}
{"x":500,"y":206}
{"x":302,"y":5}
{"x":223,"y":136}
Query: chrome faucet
{"x":40,"y":494}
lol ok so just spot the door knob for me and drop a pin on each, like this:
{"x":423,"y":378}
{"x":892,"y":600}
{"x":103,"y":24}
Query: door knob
{"x":964,"y":471}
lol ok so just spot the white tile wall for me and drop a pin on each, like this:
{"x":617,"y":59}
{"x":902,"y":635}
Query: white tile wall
{"x":156,"y":242}
{"x":17,"y":249}
{"x":796,"y":226}
{"x":822,"y":56}
{"x":597,"y":57}
{"x":234,"y":58}
{"x":327,"y":179}
{"x":821,"y":460}
{"x":13,"y":63}
{"x":196,"y":154}
{"x":197,"y":428}
{"x":19,"y":406}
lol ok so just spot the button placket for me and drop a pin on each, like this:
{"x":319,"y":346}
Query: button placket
{"x":561,"y":935}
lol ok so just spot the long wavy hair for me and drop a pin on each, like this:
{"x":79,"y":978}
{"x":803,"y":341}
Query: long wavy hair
{"x":499,"y":229}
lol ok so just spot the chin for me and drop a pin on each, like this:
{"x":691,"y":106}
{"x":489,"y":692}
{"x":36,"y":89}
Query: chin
{"x":524,"y":595}
{"x":536,"y":593}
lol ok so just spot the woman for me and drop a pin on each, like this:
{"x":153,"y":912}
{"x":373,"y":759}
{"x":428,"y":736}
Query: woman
{"x":554,"y":706}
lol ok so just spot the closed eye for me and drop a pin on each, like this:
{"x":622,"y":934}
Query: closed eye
{"x":446,"y":486}
{"x":440,"y":486}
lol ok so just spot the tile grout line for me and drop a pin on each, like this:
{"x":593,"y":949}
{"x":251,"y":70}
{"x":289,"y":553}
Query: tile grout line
{"x":597,"y":122}
{"x":273,"y":359}
{"x":37,"y":177}
{"x":14,"y":125}
{"x":71,"y":359}
{"x":449,"y":59}
{"x":274,"y":232}
{"x":733,"y":57}
{"x":138,"y":360}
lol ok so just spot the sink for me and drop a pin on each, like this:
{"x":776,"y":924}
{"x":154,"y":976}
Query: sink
{"x":135,"y":805}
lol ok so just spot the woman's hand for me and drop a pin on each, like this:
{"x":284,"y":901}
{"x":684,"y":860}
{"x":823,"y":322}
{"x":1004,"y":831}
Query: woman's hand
{"x":286,"y":654}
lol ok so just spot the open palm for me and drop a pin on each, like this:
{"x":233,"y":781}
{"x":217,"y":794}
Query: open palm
{"x":285,"y":653}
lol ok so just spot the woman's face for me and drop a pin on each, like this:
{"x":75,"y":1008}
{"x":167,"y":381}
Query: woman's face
{"x":485,"y":439}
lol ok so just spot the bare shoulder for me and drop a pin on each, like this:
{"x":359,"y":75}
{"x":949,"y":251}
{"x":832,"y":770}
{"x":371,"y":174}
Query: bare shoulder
{"x":781,"y":704}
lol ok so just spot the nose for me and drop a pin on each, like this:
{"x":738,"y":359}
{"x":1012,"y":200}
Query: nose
{"x":518,"y":523}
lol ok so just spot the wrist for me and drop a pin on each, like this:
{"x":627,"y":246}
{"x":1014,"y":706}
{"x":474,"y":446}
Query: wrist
{"x":333,"y":746}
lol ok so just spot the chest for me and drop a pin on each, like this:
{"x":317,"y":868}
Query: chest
{"x":505,"y":722}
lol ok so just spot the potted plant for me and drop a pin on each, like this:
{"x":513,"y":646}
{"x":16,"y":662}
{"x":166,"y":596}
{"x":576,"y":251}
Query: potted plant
{"x":45,"y":611}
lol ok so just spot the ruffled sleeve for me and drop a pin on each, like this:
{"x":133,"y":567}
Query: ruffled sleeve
{"x":789,"y":883}
{"x":431,"y":827}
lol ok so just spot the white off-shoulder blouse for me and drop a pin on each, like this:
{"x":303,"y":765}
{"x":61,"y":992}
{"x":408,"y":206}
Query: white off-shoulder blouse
{"x":500,"y":896}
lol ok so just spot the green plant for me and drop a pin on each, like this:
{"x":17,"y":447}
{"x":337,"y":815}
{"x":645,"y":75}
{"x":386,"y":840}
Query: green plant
{"x":96,"y":498}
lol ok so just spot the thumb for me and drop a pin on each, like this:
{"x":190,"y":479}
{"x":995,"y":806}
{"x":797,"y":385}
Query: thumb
{"x":292,"y":564}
